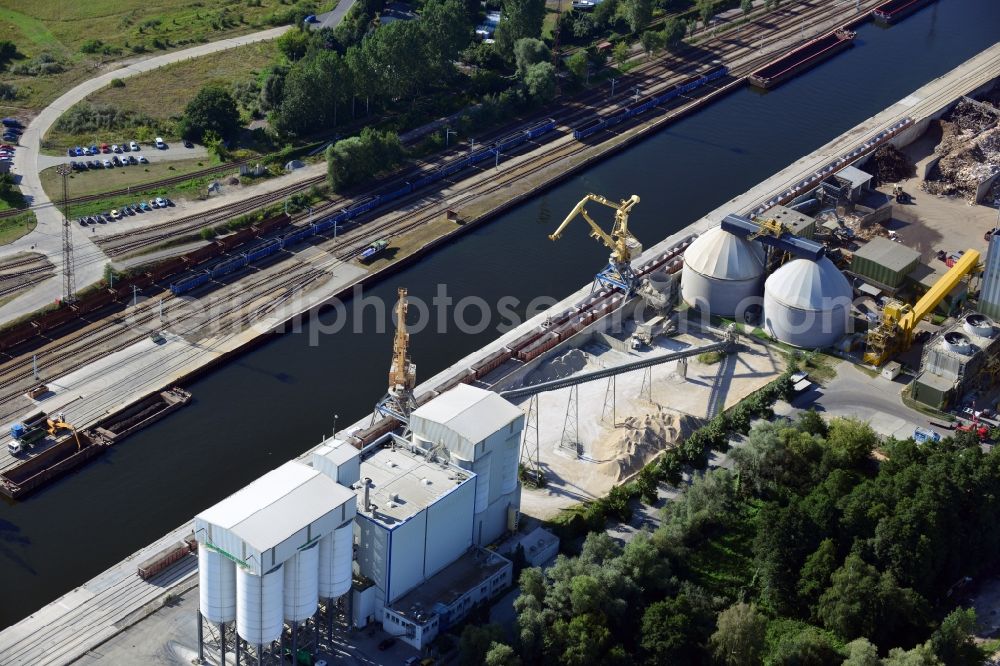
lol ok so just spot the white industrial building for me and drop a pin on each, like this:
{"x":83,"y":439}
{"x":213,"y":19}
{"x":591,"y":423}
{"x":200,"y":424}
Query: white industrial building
{"x":400,"y":527}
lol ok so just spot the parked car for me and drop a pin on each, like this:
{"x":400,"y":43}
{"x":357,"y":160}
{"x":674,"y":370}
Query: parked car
{"x":92,"y":219}
{"x":311,"y":19}
{"x":11,"y":122}
{"x":115,"y":148}
{"x":132,"y":160}
{"x":129,"y":210}
{"x":386,"y":643}
{"x":116,"y":214}
{"x":126,"y":147}
{"x":94,"y":150}
{"x":133,"y":146}
{"x":161,"y":202}
{"x":105,"y":148}
{"x":116,"y":161}
{"x":107,"y":164}
{"x":152,"y":204}
{"x":135,"y":207}
{"x":143,"y":160}
{"x":70,"y":152}
{"x":169,"y":202}
{"x":160,"y":144}
{"x":79,"y":151}
{"x":188,"y":144}
{"x":82,"y":221}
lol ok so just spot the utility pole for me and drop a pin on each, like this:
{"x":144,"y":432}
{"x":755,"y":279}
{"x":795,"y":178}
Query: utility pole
{"x":447,"y":136}
{"x":612,"y":87}
{"x":472,"y":146}
{"x":69,"y":280}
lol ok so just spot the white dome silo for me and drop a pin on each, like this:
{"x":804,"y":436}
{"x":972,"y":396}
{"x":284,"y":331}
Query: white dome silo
{"x":259,"y":606}
{"x":807,"y":303}
{"x":722,"y":273}
{"x":216,"y":585}
{"x":302,"y":584}
{"x":336,"y":552}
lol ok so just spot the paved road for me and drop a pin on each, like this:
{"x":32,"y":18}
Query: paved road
{"x":47,"y":237}
{"x":333,"y":18}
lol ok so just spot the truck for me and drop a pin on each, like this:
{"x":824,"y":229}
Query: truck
{"x":373,"y":250}
{"x":921,"y":435}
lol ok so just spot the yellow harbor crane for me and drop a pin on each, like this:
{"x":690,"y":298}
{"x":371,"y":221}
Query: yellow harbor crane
{"x":898,"y":321}
{"x":399,"y":401}
{"x":623,"y":245}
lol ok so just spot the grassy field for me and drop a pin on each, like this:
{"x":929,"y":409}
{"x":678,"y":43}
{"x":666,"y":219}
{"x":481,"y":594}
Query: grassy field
{"x":104,"y":180}
{"x":12,"y":228}
{"x":81,"y":36}
{"x":163,"y":93}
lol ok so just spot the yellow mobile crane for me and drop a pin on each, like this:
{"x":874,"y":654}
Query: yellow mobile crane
{"x":894,"y":332}
{"x":623,"y":245}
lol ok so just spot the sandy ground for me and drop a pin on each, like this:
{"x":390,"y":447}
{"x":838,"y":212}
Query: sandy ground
{"x":571,"y":478}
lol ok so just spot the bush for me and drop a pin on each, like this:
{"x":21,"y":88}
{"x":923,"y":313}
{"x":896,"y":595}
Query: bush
{"x":117,"y":83}
{"x":43,"y":63}
{"x":86,"y":118}
{"x":8,"y":92}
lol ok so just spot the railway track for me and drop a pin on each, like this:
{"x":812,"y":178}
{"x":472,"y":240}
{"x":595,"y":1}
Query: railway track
{"x":15,"y":375}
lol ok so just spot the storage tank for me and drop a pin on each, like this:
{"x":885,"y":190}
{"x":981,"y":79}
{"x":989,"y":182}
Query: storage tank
{"x":980,"y":325}
{"x":302,"y":584}
{"x":216,"y":585}
{"x":482,"y":469}
{"x":807,"y":303}
{"x":722,"y":273}
{"x":336,"y":552}
{"x":259,"y":605}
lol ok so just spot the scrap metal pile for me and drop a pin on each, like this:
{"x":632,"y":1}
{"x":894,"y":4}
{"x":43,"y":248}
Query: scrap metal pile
{"x":969,"y":150}
{"x":892,"y":166}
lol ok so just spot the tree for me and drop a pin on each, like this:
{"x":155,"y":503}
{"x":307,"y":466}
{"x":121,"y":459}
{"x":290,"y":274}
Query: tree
{"x":351,"y":161}
{"x":578,"y":64}
{"x":540,"y":81}
{"x":652,"y":41}
{"x":476,"y":641}
{"x":739,"y":639}
{"x":519,"y":19}
{"x":747,"y":7}
{"x":294,"y":44}
{"x":8,"y":51}
{"x":620,"y":53}
{"x":637,"y":13}
{"x":861,"y":653}
{"x":212,"y":109}
{"x":706,"y":10}
{"x":673,"y":33}
{"x":529,"y":51}
{"x":922,"y":655}
{"x":816,"y":572}
{"x":952,"y":642}
{"x":803,"y":645}
{"x":850,"y":605}
{"x":272,"y":90}
{"x":447,"y":28}
{"x":501,"y":654}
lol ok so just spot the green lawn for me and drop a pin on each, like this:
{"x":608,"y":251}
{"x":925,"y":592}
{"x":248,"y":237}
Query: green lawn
{"x":125,"y":29}
{"x":105,"y":180}
{"x":12,"y":228}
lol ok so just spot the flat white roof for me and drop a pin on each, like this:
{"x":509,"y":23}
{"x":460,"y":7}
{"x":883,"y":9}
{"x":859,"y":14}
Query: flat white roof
{"x":404,"y":484}
{"x":273,"y":508}
{"x":471,"y":413}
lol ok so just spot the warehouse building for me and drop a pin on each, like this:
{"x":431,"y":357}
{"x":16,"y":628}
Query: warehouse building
{"x":884,"y":263}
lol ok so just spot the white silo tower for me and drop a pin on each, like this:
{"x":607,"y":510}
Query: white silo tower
{"x":259,"y":606}
{"x":722,"y":273}
{"x":302,"y":584}
{"x":216,"y":587}
{"x":336,"y":553}
{"x":807,"y":303}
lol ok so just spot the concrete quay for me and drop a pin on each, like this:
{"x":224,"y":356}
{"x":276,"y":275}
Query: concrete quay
{"x":74,"y":625}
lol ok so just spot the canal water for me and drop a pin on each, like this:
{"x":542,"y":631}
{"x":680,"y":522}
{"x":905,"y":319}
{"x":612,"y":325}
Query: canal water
{"x":273,"y":403}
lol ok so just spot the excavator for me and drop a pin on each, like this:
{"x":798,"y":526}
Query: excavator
{"x":57,"y":424}
{"x":898,"y":321}
{"x":623,"y":245}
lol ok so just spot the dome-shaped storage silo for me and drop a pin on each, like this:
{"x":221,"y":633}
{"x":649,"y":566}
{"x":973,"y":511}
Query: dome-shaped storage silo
{"x":807,"y":303}
{"x":302,"y":584}
{"x":216,"y":585}
{"x":336,"y":552}
{"x":259,"y":605}
{"x":722,"y":273}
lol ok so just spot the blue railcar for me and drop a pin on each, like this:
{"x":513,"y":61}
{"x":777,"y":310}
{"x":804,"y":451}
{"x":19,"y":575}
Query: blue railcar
{"x":480,"y":155}
{"x":395,"y":194}
{"x":510,"y":141}
{"x":427,"y":179}
{"x":617,"y":116}
{"x":363,"y":206}
{"x":643,"y":105}
{"x":189,"y":283}
{"x":229,"y":266}
{"x":296,"y":236}
{"x":589,"y":127}
{"x":265,"y":250}
{"x":454,"y":166}
{"x":540,"y":128}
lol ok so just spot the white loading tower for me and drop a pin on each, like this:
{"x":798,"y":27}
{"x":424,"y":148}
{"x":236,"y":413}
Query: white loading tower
{"x":481,"y":432}
{"x":259,"y":553}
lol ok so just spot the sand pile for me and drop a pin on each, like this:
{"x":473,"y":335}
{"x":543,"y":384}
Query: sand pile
{"x":632,"y":446}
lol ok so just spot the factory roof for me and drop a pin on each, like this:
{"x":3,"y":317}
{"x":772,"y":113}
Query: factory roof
{"x":797,"y":222}
{"x":855,"y":176}
{"x":272,"y":509}
{"x":884,"y":252}
{"x":809,"y":285}
{"x":720,"y":254}
{"x":405,"y":483}
{"x":471,"y":413}
{"x":445,"y":587}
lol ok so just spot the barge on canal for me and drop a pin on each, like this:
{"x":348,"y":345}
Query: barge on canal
{"x":802,"y":58}
{"x":894,"y":10}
